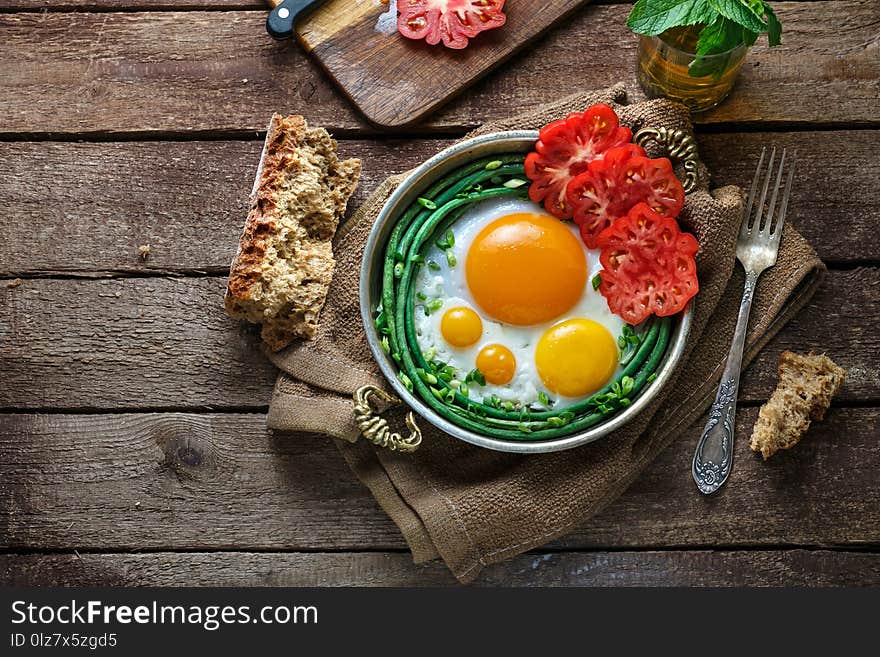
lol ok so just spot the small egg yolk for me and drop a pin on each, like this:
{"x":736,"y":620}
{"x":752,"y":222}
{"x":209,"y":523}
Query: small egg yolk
{"x":526,"y":269}
{"x":576,"y":357}
{"x":496,"y":363}
{"x":461,"y":327}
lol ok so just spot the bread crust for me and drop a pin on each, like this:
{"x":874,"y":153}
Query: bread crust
{"x":803,"y":394}
{"x":282,"y":271}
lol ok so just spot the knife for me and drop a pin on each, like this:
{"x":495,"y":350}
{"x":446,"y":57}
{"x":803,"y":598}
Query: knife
{"x":281,"y":19}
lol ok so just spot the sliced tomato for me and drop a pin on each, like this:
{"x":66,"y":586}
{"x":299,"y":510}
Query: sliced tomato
{"x":610,"y":187}
{"x":598,"y":190}
{"x":451,"y":21}
{"x":648,"y":265}
{"x":565,"y":148}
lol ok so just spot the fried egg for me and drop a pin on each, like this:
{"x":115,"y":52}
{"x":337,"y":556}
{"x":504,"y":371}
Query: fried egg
{"x":512,"y":299}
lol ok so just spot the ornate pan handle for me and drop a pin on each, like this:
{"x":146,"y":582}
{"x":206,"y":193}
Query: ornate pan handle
{"x":680,"y":146}
{"x":374,"y":428}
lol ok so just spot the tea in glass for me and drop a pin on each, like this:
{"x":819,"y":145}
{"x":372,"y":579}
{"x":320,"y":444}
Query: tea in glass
{"x":668,"y":67}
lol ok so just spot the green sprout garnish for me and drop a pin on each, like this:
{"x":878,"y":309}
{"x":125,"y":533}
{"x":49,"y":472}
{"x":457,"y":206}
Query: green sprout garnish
{"x":447,"y":242}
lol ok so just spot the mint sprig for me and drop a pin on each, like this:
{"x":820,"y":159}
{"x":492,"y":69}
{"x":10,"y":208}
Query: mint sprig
{"x":652,"y":17}
{"x":742,"y":13}
{"x":725,"y":25}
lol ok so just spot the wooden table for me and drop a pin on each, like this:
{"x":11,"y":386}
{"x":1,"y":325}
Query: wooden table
{"x":133,"y":446}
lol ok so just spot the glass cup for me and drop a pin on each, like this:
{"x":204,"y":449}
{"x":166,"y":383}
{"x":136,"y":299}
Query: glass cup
{"x":667,"y":66}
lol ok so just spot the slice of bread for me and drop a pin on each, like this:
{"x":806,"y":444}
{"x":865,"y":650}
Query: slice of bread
{"x":806,"y":386}
{"x":284,"y":265}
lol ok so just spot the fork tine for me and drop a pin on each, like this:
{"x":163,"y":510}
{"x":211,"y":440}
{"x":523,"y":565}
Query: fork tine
{"x":760,"y":209}
{"x":747,"y":217}
{"x":785,"y":194}
{"x":769,"y":225}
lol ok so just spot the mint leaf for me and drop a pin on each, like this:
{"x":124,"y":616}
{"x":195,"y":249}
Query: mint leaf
{"x":739,"y":12}
{"x":718,"y":36}
{"x":774,"y":27}
{"x":749,"y":37}
{"x":652,"y":17}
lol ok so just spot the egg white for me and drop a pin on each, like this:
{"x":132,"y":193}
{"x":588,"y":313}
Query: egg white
{"x":449,"y":284}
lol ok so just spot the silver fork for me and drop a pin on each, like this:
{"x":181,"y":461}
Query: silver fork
{"x":756,"y":248}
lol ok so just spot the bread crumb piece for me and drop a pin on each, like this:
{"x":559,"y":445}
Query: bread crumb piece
{"x":144,"y":251}
{"x":803,"y":393}
{"x":14,"y":283}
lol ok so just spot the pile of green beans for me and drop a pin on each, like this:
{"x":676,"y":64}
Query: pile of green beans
{"x":423,"y":224}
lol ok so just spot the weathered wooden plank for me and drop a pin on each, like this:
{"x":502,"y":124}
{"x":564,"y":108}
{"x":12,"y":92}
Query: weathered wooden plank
{"x":668,"y":568}
{"x":763,"y":502}
{"x":219,"y":72}
{"x":835,"y":205}
{"x":122,"y":5}
{"x":141,"y":343}
{"x":127,"y":343}
{"x":148,"y":72}
{"x":220,"y":481}
{"x":202,"y":481}
{"x":153,"y":5}
{"x":178,"y":5}
{"x":187,"y":200}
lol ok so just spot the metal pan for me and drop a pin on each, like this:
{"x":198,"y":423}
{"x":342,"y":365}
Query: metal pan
{"x":521,"y":141}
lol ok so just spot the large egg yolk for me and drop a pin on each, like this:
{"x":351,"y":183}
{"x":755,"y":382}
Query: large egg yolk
{"x":461,"y":327}
{"x":526,"y":269}
{"x":496,"y":363}
{"x":576,"y":357}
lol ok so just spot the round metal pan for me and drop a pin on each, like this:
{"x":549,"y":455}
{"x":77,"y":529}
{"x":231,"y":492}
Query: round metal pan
{"x":520,"y":141}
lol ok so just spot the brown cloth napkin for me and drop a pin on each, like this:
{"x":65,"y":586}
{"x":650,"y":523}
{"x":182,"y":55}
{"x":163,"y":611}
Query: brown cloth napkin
{"x":472,"y":506}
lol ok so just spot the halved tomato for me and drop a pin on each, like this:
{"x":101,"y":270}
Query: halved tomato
{"x":450,"y":21}
{"x":565,"y":148}
{"x":648,"y":265}
{"x":610,"y":187}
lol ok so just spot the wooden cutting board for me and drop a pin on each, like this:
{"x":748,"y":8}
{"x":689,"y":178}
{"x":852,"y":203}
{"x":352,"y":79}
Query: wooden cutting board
{"x":395,"y":81}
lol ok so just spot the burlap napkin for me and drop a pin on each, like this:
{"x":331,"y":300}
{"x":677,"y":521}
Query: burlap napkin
{"x":472,"y":506}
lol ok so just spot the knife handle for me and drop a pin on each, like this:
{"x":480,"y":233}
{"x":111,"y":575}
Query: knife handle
{"x":279,"y":23}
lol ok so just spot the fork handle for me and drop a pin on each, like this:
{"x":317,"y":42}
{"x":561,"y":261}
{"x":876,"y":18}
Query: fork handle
{"x":713,"y":457}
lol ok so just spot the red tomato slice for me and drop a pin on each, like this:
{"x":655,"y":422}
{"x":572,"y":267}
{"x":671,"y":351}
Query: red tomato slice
{"x":565,"y":148}
{"x":601,"y":193}
{"x":450,"y":21}
{"x":648,"y":265}
{"x":610,"y":187}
